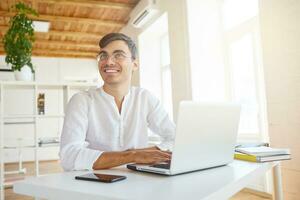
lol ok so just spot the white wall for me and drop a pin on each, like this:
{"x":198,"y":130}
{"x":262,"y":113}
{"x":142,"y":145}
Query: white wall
{"x":21,"y":101}
{"x":60,"y":69}
{"x":179,"y":52}
{"x":281,"y":56}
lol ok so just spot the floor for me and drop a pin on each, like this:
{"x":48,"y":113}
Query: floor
{"x":45,"y":168}
{"x":53,"y":167}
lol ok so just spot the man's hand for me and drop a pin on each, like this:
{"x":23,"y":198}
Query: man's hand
{"x":151,"y":156}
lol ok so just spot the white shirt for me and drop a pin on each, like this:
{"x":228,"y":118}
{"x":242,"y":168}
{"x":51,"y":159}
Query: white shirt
{"x":93,"y":125}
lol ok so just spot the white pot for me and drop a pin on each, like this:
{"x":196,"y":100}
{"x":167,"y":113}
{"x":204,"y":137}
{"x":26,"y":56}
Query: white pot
{"x":25,"y":74}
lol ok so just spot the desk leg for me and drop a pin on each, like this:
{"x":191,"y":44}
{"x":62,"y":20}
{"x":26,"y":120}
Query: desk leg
{"x":277,"y":182}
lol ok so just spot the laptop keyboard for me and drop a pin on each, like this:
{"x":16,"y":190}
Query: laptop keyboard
{"x":162,"y":165}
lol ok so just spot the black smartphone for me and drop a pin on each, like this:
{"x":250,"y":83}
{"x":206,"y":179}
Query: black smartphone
{"x":107,"y":178}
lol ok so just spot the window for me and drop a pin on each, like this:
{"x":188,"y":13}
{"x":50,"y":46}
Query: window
{"x":165,"y":71}
{"x":244,"y":82}
{"x":225,"y":58}
{"x":155,"y":70}
{"x":240,"y":25}
{"x":206,"y":52}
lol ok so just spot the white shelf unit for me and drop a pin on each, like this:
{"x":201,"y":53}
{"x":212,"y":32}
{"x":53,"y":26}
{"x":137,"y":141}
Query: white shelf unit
{"x":32,"y":118}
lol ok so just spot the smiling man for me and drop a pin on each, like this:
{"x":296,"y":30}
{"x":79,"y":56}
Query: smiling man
{"x":108,"y":126}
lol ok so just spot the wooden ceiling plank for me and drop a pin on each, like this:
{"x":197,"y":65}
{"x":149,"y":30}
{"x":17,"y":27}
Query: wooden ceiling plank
{"x":10,"y":4}
{"x":73,"y":33}
{"x":65,"y":43}
{"x":63,"y":52}
{"x":59,"y":52}
{"x":63,"y":56}
{"x":91,"y":4}
{"x":34,"y":4}
{"x":50,"y":18}
{"x":3,"y":29}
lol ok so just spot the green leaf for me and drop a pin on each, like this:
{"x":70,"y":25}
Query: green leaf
{"x":19,"y":38}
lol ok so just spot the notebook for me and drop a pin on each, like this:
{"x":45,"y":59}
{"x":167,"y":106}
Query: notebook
{"x":263,"y":151}
{"x":252,"y":158}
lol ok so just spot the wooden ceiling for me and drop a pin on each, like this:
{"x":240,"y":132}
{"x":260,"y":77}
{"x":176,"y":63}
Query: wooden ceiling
{"x":76,"y":26}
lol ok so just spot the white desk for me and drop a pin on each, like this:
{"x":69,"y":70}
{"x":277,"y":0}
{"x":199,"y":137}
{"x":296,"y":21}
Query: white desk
{"x":214,"y":184}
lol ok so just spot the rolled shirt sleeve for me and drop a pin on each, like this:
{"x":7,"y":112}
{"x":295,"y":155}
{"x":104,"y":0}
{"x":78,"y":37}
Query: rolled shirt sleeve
{"x":74,"y":152}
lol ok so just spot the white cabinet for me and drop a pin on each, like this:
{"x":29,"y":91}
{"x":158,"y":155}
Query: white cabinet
{"x":22,"y":125}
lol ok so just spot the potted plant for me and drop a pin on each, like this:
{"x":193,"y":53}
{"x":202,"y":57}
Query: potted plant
{"x":18,"y":42}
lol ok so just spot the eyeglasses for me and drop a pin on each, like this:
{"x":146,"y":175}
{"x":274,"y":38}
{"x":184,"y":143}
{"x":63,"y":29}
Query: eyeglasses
{"x":116,"y":57}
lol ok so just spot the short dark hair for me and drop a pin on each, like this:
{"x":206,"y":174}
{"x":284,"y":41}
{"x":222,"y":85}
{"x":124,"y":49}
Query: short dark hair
{"x":110,"y":37}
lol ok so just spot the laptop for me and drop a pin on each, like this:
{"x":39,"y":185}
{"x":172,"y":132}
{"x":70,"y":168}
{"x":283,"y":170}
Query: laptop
{"x":206,"y":135}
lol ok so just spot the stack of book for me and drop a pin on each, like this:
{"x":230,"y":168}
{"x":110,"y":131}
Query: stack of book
{"x":261,"y":154}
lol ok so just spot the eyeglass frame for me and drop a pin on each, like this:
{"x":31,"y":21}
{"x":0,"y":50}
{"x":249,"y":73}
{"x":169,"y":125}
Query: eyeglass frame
{"x":114,"y":59}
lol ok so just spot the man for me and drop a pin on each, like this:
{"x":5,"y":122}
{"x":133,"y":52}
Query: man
{"x":107,"y":126}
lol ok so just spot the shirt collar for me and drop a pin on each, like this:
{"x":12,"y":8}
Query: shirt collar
{"x":108,"y":96}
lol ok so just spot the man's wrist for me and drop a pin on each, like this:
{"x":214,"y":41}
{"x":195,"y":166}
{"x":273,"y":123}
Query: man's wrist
{"x":162,"y":148}
{"x":130,"y":156}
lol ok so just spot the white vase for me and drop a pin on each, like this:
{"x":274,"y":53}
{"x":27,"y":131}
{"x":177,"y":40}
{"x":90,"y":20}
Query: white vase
{"x":24,"y":75}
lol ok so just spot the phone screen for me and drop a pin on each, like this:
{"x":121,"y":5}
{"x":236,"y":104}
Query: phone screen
{"x":107,"y":178}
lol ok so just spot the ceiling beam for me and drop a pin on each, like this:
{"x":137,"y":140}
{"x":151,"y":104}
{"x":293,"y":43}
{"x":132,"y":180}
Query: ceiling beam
{"x":72,"y":44}
{"x":90,"y":3}
{"x":66,"y":44}
{"x":34,"y":4}
{"x":58,"y":53}
{"x":10,"y":5}
{"x":97,"y":36}
{"x":65,"y":56}
{"x":53,"y":18}
{"x":73,"y":33}
{"x":63,"y":52}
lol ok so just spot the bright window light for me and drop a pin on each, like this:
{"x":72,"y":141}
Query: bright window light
{"x":224,"y":63}
{"x":243,"y":79}
{"x":236,"y":12}
{"x":207,"y":61}
{"x":155,"y":70}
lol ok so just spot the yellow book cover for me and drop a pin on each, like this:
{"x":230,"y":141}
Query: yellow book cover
{"x":247,"y":157}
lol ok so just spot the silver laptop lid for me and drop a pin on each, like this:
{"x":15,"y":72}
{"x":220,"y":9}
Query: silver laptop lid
{"x":205,"y":135}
